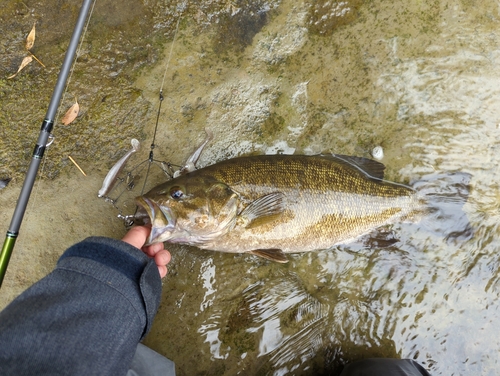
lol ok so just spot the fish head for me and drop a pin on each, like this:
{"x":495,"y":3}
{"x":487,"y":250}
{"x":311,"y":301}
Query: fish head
{"x":189,"y":210}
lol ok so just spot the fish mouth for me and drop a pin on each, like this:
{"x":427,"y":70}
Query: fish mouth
{"x":161,"y":220}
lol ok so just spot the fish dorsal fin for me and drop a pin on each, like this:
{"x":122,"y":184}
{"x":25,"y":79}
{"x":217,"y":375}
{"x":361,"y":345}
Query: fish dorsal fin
{"x":275,"y":255}
{"x":262,"y":210}
{"x":367,"y":166}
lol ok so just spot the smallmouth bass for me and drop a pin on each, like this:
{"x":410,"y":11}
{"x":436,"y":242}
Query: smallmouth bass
{"x":270,"y":205}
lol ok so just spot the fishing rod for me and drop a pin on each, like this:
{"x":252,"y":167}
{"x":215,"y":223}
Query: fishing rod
{"x":43,"y":138}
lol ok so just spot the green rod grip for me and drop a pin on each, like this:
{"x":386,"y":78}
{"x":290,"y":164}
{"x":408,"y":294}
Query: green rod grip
{"x":8,"y":246}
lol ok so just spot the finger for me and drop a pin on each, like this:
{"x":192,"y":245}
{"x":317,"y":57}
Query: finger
{"x":137,"y":236}
{"x":162,"y":269}
{"x":153,"y":249}
{"x":163,"y":257}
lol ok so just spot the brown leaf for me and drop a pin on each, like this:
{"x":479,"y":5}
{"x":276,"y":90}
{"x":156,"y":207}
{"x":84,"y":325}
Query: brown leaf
{"x":30,"y":40}
{"x":26,"y":61}
{"x":71,"y":114}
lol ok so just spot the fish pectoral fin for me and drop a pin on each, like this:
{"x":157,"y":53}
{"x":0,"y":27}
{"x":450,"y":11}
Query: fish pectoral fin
{"x":276,"y":255}
{"x":262,"y":210}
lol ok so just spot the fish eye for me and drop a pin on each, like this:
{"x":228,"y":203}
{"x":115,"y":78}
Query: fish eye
{"x":176,"y":193}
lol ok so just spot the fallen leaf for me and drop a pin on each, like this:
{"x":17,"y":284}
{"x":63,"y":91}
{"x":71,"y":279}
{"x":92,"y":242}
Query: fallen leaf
{"x":71,"y":114}
{"x":30,"y":40}
{"x":26,"y":61}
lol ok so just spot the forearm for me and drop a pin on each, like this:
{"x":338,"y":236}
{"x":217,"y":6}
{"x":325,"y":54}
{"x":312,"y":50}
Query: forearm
{"x":86,"y":317}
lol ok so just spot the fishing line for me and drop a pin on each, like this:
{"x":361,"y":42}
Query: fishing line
{"x":151,"y":154}
{"x":170,"y":53}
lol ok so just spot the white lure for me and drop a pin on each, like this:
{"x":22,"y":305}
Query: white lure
{"x":110,"y":179}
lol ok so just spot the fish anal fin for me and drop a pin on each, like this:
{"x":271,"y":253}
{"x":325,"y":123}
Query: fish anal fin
{"x":273,"y":254}
{"x":263,"y":210}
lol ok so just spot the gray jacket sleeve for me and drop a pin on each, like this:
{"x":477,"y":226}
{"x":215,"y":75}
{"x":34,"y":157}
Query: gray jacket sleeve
{"x":84,"y":318}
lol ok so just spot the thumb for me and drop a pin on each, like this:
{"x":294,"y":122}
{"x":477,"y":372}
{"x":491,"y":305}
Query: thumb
{"x":137,"y":236}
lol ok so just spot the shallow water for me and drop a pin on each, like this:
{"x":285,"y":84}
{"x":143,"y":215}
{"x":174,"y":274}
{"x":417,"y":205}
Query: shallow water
{"x":419,"y":79}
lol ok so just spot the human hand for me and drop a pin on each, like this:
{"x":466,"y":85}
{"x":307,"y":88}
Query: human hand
{"x":137,"y":237}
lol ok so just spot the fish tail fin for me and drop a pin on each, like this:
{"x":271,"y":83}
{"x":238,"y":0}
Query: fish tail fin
{"x":445,"y":195}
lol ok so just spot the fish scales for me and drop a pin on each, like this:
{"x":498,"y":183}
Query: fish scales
{"x":326,"y":202}
{"x":322,"y":201}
